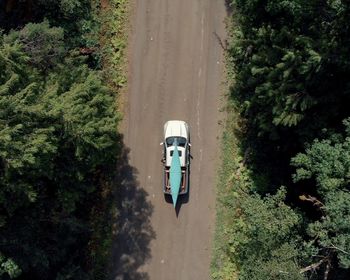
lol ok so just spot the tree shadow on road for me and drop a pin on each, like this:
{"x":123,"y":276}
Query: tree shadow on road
{"x":132,"y":226}
{"x":229,"y":7}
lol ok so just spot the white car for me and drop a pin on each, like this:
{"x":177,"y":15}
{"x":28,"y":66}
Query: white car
{"x":176,"y":133}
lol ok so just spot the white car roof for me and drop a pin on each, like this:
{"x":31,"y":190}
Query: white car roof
{"x":176,"y":128}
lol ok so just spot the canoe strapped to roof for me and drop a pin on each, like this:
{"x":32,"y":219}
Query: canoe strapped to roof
{"x":167,"y":180}
{"x":175,"y":174}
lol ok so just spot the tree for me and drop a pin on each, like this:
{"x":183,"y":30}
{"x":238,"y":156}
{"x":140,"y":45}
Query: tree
{"x":289,"y":63}
{"x":326,"y":163}
{"x":57,"y":137}
{"x":264,"y":238}
{"x":43,"y":44}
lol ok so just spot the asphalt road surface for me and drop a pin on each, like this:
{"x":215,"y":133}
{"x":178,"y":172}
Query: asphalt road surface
{"x":176,"y":65}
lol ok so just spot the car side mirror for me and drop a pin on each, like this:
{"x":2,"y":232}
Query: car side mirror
{"x":161,"y":143}
{"x":189,"y":144}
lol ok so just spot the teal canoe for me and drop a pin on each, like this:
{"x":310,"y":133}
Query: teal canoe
{"x":175,"y":175}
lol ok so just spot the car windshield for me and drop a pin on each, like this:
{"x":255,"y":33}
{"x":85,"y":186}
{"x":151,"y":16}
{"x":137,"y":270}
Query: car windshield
{"x":181,"y":141}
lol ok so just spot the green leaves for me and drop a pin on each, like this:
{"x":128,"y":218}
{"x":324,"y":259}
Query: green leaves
{"x":327,"y":162}
{"x":89,"y":120}
{"x":264,"y":239}
{"x":58,"y":133}
{"x":43,"y":45}
{"x":9,"y":267}
{"x":333,"y":231}
{"x":290,"y":64}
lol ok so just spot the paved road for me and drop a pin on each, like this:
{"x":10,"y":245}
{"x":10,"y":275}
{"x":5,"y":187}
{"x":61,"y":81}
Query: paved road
{"x":175,"y":73}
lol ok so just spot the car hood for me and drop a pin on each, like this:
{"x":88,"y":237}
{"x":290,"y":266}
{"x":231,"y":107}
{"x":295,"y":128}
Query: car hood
{"x":176,"y":128}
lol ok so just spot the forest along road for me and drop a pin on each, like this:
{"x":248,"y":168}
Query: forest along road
{"x":176,"y":64}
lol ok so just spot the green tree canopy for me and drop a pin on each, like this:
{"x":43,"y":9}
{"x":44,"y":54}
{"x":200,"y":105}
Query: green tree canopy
{"x":327,"y":164}
{"x":57,"y":134}
{"x":264,"y":238}
{"x":44,"y":45}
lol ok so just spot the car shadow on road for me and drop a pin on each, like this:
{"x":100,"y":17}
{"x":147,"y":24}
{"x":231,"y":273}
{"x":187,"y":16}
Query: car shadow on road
{"x":182,"y":199}
{"x":132,"y":226}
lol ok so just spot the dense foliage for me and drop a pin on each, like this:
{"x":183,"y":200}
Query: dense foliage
{"x":259,"y":255}
{"x":58,"y":138}
{"x":326,"y":164}
{"x":290,"y":65}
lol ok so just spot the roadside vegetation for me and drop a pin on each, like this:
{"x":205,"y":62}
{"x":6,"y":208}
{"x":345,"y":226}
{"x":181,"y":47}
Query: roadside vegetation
{"x":284,"y":190}
{"x":59,"y":143}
